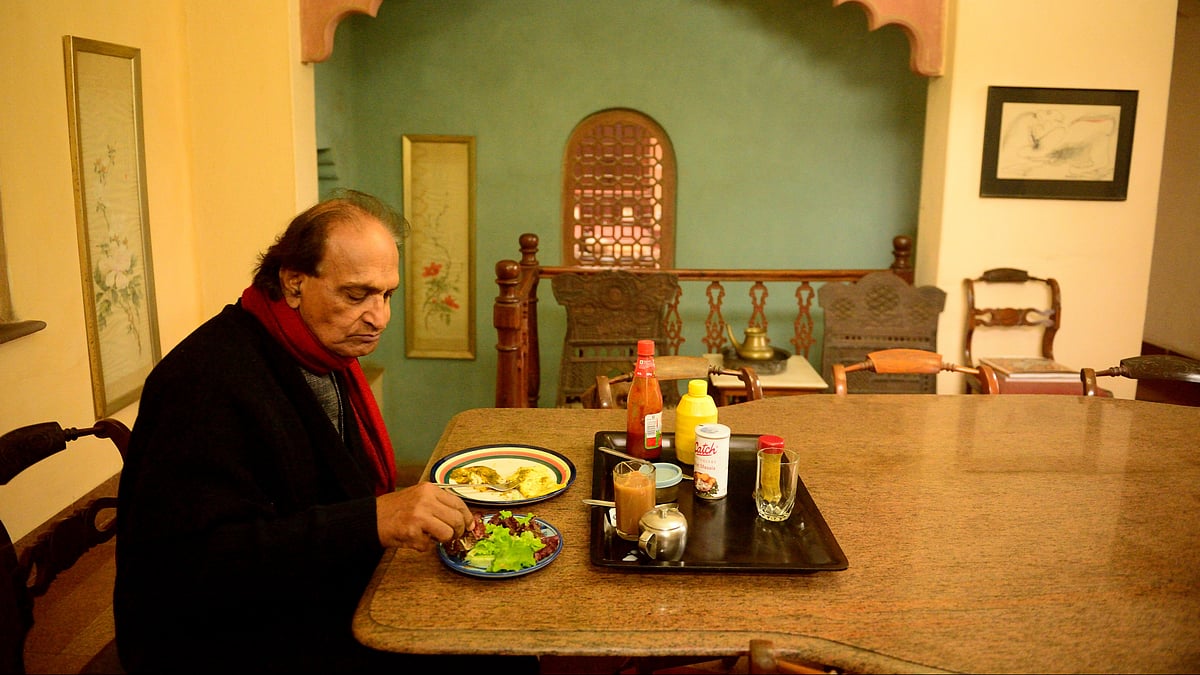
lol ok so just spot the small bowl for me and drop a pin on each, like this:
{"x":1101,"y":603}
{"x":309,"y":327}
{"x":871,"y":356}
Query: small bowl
{"x":666,"y":484}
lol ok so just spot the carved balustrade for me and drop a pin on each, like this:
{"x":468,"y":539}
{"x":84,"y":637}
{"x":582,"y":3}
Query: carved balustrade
{"x":515,"y":312}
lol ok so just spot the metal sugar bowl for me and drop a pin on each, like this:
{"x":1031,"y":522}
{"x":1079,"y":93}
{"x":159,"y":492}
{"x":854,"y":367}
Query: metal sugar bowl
{"x":663,"y":533}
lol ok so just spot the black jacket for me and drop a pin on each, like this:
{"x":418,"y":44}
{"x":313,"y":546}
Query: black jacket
{"x":246,"y":526}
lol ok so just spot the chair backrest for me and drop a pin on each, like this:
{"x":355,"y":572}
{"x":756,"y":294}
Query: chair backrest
{"x":607,"y":313}
{"x":670,"y":371}
{"x":912,"y":361}
{"x":1149,"y":367}
{"x":1047,"y":317}
{"x":28,"y":575}
{"x":879,"y":311}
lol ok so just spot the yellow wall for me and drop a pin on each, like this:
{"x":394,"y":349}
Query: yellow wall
{"x":1099,"y":251}
{"x":230,"y":151}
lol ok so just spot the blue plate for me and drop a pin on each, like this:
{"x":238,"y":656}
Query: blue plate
{"x":505,"y":460}
{"x":464,"y":567}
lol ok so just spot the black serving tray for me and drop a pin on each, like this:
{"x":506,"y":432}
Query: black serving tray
{"x":724,"y":535}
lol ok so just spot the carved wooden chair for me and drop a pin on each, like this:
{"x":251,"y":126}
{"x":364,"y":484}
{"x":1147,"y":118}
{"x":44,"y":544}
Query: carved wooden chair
{"x":670,"y":370}
{"x":1046,"y":318}
{"x":879,"y":311}
{"x":913,"y":361}
{"x":27,"y":574}
{"x":1150,"y":367}
{"x":607,"y":313}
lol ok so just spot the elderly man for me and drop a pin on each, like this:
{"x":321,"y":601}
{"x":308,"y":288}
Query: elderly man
{"x":259,"y":489}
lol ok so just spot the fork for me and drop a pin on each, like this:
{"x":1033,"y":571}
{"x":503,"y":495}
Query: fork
{"x":498,"y":487}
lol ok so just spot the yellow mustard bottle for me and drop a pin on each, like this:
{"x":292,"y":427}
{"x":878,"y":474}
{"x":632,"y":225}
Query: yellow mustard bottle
{"x":695,"y":407}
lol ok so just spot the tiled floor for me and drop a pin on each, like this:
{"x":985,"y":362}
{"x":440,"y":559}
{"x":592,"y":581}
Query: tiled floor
{"x":74,"y":620}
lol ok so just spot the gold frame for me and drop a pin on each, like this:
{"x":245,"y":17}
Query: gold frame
{"x":108,"y":160}
{"x":439,"y":251}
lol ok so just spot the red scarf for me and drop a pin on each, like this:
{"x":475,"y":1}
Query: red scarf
{"x":286,"y":326}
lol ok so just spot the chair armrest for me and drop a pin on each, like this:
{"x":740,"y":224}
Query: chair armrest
{"x":906,"y":361}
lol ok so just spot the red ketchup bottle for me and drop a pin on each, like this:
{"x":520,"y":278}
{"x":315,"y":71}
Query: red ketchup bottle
{"x":643,"y":412}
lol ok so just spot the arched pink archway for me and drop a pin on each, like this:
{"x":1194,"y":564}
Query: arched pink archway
{"x":924,"y":21}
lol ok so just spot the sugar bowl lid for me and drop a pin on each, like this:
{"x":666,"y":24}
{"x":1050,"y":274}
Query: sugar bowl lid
{"x":664,"y":518}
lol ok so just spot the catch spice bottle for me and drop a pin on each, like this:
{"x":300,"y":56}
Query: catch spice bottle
{"x":696,"y":407}
{"x":711,"y":473}
{"x":643,"y":411}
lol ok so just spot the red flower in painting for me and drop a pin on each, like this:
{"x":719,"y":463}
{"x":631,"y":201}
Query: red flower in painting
{"x":441,"y":285}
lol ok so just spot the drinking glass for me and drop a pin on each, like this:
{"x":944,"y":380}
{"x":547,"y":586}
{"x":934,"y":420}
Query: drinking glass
{"x":775,"y":480}
{"x":633,"y":487}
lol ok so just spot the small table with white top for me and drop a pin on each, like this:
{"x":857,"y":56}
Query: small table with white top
{"x":799,"y":377}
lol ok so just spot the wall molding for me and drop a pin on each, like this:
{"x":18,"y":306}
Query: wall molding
{"x":924,"y":21}
{"x":319,"y":20}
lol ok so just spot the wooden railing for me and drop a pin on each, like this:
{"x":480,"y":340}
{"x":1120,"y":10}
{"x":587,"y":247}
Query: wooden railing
{"x":515,"y":313}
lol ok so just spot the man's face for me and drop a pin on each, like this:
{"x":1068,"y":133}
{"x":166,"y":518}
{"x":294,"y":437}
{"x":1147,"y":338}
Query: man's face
{"x":347,"y":305}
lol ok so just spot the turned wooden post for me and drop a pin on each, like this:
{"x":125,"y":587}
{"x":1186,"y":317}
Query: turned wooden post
{"x":530,"y":274}
{"x":902,"y":254}
{"x":506,"y":317}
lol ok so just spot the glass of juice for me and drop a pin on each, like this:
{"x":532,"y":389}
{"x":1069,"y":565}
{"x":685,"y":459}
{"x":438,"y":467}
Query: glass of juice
{"x":633,"y":486}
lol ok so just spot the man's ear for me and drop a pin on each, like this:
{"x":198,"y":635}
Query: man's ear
{"x":289,"y":281}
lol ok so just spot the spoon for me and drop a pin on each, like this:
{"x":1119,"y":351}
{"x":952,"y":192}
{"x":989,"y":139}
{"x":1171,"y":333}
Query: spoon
{"x":618,"y":453}
{"x":605,"y":502}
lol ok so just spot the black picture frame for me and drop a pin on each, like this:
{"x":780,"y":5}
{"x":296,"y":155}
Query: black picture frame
{"x":1042,"y":143}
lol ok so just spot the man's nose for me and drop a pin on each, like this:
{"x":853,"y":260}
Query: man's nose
{"x":379,"y":313}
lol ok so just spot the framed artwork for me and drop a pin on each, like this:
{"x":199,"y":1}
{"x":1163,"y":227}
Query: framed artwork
{"x":104,"y":108}
{"x":439,"y":251}
{"x":1057,"y":143}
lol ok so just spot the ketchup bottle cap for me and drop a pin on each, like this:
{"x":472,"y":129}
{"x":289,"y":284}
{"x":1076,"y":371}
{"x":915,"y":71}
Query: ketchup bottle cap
{"x":645,"y":348}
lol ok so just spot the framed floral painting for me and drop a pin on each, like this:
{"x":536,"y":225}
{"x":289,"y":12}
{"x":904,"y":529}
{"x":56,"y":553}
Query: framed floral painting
{"x":439,"y":251}
{"x":104,"y":108}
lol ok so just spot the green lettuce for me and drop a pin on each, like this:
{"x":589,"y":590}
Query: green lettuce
{"x":500,"y":551}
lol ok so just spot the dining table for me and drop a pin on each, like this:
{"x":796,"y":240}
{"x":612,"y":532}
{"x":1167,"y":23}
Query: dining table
{"x":1034,"y":533}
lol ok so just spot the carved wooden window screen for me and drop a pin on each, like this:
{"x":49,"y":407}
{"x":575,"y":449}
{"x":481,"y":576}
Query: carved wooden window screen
{"x":619,"y":193}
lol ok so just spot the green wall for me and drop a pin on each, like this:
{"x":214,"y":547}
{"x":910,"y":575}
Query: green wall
{"x":797,"y":133}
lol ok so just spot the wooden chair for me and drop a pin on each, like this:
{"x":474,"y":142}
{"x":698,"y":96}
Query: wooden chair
{"x":670,"y":370}
{"x":879,"y":311}
{"x":607,"y":313}
{"x":1150,"y":367}
{"x":1047,"y":318}
{"x":27,"y":575}
{"x":917,"y":361}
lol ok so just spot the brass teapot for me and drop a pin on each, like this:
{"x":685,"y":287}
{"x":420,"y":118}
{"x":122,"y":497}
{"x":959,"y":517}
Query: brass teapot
{"x":755,"y":347}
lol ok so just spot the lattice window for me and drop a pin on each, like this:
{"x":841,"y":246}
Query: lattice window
{"x":619,"y":193}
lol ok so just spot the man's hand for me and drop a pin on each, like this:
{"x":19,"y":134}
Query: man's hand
{"x":418,"y":517}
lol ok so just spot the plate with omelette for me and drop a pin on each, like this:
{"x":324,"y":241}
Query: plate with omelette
{"x":536,"y":473}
